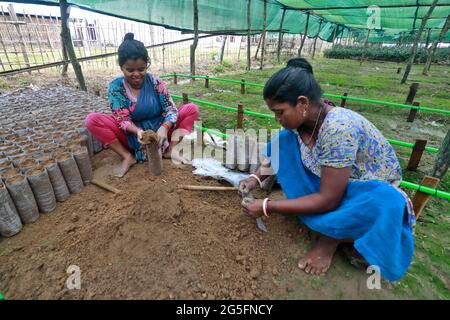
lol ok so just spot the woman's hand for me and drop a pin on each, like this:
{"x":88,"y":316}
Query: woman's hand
{"x":247,"y":185}
{"x":139,"y":135}
{"x":253,"y":208}
{"x":162,"y":135}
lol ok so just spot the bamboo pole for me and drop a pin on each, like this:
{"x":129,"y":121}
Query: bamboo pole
{"x":280,"y":36}
{"x":64,"y":8}
{"x":195,"y":43}
{"x":416,"y":42}
{"x":315,"y":39}
{"x":264,"y":35}
{"x":305,"y":35}
{"x":32,"y":26}
{"x":433,"y":47}
{"x":13,"y":16}
{"x":47,"y":36}
{"x":6,"y":52}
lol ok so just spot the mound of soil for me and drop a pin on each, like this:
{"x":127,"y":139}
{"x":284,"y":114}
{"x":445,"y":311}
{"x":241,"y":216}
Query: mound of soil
{"x":156,"y":241}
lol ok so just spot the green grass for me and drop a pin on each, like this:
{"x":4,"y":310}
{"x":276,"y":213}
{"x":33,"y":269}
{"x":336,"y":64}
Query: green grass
{"x":429,"y":274}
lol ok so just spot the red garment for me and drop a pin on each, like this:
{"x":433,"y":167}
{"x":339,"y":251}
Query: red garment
{"x":105,"y":128}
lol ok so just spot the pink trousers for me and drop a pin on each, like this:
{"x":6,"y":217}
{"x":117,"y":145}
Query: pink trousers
{"x":105,"y":129}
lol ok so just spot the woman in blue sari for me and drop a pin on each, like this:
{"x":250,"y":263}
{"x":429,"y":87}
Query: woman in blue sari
{"x":339,"y":175}
{"x":139,"y":101}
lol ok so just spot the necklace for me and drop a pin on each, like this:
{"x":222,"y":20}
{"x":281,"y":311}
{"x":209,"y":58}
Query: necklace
{"x":315,"y":126}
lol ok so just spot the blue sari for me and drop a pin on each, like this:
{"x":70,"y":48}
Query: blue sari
{"x":147,"y":115}
{"x":372,"y":213}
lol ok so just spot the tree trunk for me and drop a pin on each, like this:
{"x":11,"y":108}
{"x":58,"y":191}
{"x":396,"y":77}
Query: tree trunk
{"x":249,"y":26}
{"x":264,"y":35}
{"x":280,"y":36}
{"x":195,"y":43}
{"x":67,"y":40}
{"x":305,"y":35}
{"x":443,"y":158}
{"x":433,"y":47}
{"x":416,"y":42}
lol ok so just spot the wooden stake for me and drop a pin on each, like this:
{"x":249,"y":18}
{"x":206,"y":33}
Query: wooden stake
{"x":416,"y":155}
{"x":199,"y":132}
{"x":207,"y":188}
{"x":207,"y":82}
{"x":413,"y":112}
{"x":185,"y":98}
{"x":412,"y":93}
{"x":175,"y":79}
{"x":240,"y":117}
{"x":242,"y":86}
{"x":399,"y":69}
{"x":105,"y":186}
{"x":420,"y":199}
{"x":344,"y":100}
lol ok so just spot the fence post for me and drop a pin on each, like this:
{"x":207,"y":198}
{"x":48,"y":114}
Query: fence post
{"x":412,"y":93}
{"x":199,"y":132}
{"x":416,"y":155}
{"x":344,"y":100}
{"x":242,"y":86}
{"x":413,"y":112}
{"x":185,"y":98}
{"x":175,"y":78}
{"x":399,"y":69}
{"x":240,"y":117}
{"x":207,"y":82}
{"x":420,"y":199}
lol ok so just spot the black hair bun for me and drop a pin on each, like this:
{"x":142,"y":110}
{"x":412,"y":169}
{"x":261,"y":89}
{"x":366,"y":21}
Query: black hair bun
{"x":300,"y":63}
{"x":129,"y":36}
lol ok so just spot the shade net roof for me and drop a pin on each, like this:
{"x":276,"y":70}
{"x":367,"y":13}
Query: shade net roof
{"x":328,"y":19}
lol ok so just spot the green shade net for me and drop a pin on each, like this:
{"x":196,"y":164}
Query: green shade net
{"x":327,"y":20}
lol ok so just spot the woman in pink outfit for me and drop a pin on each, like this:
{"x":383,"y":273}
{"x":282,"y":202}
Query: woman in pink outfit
{"x":139,"y":101}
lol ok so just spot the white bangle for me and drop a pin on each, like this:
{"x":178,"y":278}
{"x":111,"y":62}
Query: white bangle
{"x":265,"y":207}
{"x":257,"y":178}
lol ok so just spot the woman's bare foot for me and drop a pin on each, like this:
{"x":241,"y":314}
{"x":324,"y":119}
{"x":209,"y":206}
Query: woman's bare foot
{"x":318,"y":259}
{"x":123,"y":168}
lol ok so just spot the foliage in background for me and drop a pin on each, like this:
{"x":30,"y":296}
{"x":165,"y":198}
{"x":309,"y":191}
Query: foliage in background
{"x":394,"y":54}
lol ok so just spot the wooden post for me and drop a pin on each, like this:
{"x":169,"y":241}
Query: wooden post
{"x":13,"y":16}
{"x":222,"y":48}
{"x":442,"y":163}
{"x":344,"y":100}
{"x":305,"y":35}
{"x":242,"y":86}
{"x":199,"y":132}
{"x":263,"y":49}
{"x":412,"y":93}
{"x":428,"y":38}
{"x":185,"y":98}
{"x":195,"y":43}
{"x":416,"y":154}
{"x":207,"y":82}
{"x":249,"y":26}
{"x":69,"y":45}
{"x":315,"y":39}
{"x":258,"y":47}
{"x":240,"y":117}
{"x":433,"y":47}
{"x":413,"y":112}
{"x":420,"y":199}
{"x":175,"y":78}
{"x":280,"y":36}
{"x":416,"y":42}
{"x":399,"y":69}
